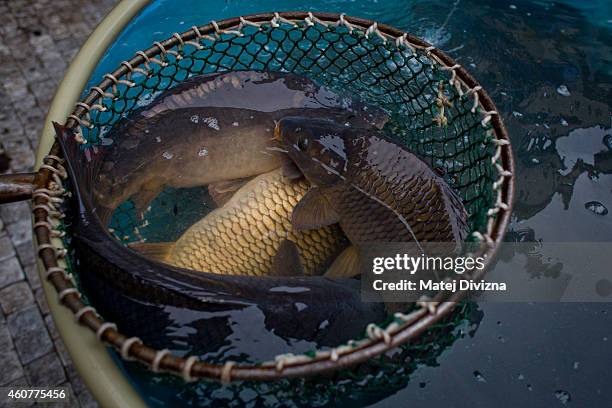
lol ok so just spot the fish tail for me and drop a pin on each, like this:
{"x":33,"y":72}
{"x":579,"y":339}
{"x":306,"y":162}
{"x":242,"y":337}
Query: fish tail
{"x":346,"y":265}
{"x":457,"y":212}
{"x":71,"y":151}
{"x":104,"y":214}
{"x":82,"y":165}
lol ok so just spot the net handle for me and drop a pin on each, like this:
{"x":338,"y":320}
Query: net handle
{"x":16,"y":187}
{"x":45,"y":214}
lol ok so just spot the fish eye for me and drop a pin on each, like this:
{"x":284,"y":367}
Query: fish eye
{"x":302,"y":143}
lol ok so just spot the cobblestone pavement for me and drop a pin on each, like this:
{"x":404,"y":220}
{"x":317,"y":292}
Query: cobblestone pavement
{"x":38,"y":38}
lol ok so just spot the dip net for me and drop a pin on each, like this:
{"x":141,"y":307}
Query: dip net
{"x":361,"y":385}
{"x":436,"y":109}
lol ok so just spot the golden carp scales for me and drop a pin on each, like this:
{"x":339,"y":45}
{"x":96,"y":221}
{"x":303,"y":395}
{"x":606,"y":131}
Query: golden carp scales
{"x":252,"y":235}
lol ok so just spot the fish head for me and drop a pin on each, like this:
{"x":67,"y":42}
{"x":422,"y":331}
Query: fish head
{"x":316,"y":146}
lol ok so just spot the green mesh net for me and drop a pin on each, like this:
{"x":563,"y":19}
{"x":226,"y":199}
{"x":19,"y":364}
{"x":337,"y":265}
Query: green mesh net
{"x":428,"y":114}
{"x":362,"y":385}
{"x":432,"y":111}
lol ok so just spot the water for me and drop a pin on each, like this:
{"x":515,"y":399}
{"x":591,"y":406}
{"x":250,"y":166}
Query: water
{"x":548,"y":67}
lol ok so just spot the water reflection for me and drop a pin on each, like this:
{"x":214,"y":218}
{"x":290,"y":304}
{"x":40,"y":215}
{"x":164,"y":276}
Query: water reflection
{"x":548,"y":67}
{"x":366,"y":384}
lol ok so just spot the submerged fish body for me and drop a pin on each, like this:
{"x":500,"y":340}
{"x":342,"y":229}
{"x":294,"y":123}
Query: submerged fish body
{"x":210,"y":128}
{"x":184,"y":148}
{"x":265,"y":91}
{"x":170,"y":146}
{"x":243,"y":236}
{"x":376,"y":189}
{"x":125,"y":285}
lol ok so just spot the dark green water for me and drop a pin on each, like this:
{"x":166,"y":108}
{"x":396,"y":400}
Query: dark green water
{"x":548,"y":67}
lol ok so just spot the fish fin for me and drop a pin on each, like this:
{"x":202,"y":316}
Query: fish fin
{"x":222,"y":191}
{"x":287,"y":260}
{"x":158,"y":251}
{"x":346,"y":265}
{"x":313,"y":211}
{"x":83,"y":165}
{"x":143,"y":198}
{"x":70,"y":151}
{"x":104,"y":214}
{"x":290,"y":171}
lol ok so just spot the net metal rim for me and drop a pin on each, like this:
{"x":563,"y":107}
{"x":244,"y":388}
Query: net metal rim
{"x":49,"y":192}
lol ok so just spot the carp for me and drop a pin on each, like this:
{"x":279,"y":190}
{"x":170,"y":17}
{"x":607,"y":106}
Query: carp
{"x":209,"y":129}
{"x":374,"y":188}
{"x":252,"y":234}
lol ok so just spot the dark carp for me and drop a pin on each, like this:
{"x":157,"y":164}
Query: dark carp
{"x":210,"y":129}
{"x":374,"y":188}
{"x":251,"y":234}
{"x":136,"y":292}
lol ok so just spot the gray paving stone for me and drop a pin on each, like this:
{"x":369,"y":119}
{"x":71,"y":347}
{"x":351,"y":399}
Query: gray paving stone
{"x":80,"y":30}
{"x":34,"y":115}
{"x":16,"y":87}
{"x":29,"y":333}
{"x":31,"y":273}
{"x":30,"y":69}
{"x":25,"y":253}
{"x":41,"y":300}
{"x":19,"y":382}
{"x":20,"y":231}
{"x":14,"y":212}
{"x":22,"y":160}
{"x":10,"y":271}
{"x":69,"y":43}
{"x":15,"y":43}
{"x":6,"y":248}
{"x":32,"y":132}
{"x":17,"y":147}
{"x":53,"y":330}
{"x":45,"y":371}
{"x":86,"y":400}
{"x":41,"y":44}
{"x":44,"y":94}
{"x":37,"y":40}
{"x":7,"y":121}
{"x":62,"y":352}
{"x":75,"y":379}
{"x":6,"y":342}
{"x":5,"y":54}
{"x":57,"y":29}
{"x":15,"y":297}
{"x":70,"y":401}
{"x":11,"y":367}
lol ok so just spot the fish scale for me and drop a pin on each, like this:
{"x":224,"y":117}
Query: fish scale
{"x":243,"y":236}
{"x":124,"y":286}
{"x":419,"y":195}
{"x":378,"y":190}
{"x":205,"y":123}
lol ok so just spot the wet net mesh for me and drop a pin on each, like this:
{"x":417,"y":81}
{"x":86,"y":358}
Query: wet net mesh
{"x":428,"y":114}
{"x":363,"y":385}
{"x":431,"y":112}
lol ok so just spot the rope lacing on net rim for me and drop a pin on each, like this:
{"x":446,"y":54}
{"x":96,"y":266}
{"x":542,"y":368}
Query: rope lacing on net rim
{"x":49,"y":194}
